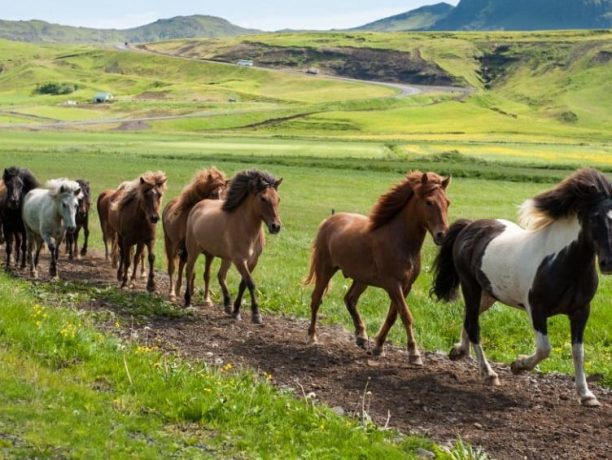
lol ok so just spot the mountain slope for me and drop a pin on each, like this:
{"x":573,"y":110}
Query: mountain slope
{"x":418,"y":19}
{"x":162,"y":29}
{"x":528,"y":15}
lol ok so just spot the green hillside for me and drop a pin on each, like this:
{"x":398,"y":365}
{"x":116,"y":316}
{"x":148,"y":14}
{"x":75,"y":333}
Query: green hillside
{"x":421,"y":18}
{"x":162,"y":29}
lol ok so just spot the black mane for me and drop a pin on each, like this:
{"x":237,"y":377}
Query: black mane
{"x":251,"y":181}
{"x":29,"y":181}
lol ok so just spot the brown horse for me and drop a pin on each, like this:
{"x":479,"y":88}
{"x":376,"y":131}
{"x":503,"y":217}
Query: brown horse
{"x":382,"y":250}
{"x":232,"y":230}
{"x":207,"y":183}
{"x":134,"y":217}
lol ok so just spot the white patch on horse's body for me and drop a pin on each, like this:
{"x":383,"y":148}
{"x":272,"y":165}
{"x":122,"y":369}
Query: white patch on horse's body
{"x":511,"y":260}
{"x":609,"y":215}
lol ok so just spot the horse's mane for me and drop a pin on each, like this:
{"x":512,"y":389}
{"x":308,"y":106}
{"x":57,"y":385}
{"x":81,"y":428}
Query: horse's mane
{"x":246,"y":182}
{"x":55,"y":185}
{"x":392,"y":202}
{"x":133,"y":189}
{"x":200,"y":187}
{"x":583,"y":188}
{"x":29,"y":181}
{"x":85,"y":191}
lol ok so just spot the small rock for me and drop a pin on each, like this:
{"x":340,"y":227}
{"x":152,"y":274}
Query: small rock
{"x":423,"y":453}
{"x":209,"y":353}
{"x":338,"y":410}
{"x":478,"y":425}
{"x":372,"y":363}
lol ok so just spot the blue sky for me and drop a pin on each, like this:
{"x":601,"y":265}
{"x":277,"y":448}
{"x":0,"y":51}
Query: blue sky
{"x":265,"y":15}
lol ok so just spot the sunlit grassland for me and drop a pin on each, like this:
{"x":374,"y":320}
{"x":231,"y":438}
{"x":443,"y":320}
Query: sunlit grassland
{"x":309,"y":192}
{"x":70,"y":391}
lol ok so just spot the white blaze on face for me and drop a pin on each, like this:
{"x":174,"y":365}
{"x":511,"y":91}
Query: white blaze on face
{"x":610,"y":215}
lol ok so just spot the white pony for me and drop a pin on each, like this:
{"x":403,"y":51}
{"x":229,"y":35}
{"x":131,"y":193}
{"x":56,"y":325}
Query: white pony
{"x":47,"y":214}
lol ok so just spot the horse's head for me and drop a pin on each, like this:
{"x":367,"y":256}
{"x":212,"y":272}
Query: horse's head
{"x":69,"y":197}
{"x":266,"y":200}
{"x":15,"y":190}
{"x":432,"y":205}
{"x":214,"y":184}
{"x":152,"y":191}
{"x":597,"y":222}
{"x":84,"y":200}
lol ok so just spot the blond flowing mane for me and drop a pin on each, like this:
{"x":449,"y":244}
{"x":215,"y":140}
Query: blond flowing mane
{"x":63,"y":185}
{"x":392,"y":202}
{"x":583,"y":188}
{"x":133,"y":189}
{"x":203,"y":184}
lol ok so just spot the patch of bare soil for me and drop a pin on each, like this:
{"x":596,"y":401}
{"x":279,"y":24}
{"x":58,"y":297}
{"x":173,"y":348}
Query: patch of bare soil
{"x":133,"y":126}
{"x":152,"y":95}
{"x":532,"y":416}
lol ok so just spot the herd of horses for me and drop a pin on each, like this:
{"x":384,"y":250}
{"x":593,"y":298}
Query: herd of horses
{"x":546,"y":266}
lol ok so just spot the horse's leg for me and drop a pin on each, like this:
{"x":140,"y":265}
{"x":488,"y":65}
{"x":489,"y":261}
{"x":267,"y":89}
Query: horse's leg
{"x":238,"y":301}
{"x":85,"y":236}
{"x":52,"y":246}
{"x":143,"y":269}
{"x":181,"y":267}
{"x":139,"y":249}
{"x":30,"y":251}
{"x":462,"y":349}
{"x":69,"y":242}
{"x":221,"y":276}
{"x":17,"y":249}
{"x":116,"y":256}
{"x":577,"y":324}
{"x":190,"y":276}
{"x":381,"y":335}
{"x":151,"y":254}
{"x":472,"y":294}
{"x":170,"y":263}
{"x":207,"y":263}
{"x":24,"y":244}
{"x":350,"y":300}
{"x":543,"y":348}
{"x":397,"y":297}
{"x":244,"y":271}
{"x":323,"y":275}
{"x":8,"y":237}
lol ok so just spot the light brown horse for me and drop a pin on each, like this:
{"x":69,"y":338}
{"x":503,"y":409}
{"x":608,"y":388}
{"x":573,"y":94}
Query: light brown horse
{"x":232,"y":230}
{"x":207,"y":183}
{"x":134,"y":217}
{"x":381,"y":250}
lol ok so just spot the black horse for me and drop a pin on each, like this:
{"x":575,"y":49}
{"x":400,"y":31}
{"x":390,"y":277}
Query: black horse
{"x":18,"y":182}
{"x":82,"y":222}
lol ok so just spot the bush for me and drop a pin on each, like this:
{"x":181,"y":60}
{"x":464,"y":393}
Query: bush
{"x":56,"y":88}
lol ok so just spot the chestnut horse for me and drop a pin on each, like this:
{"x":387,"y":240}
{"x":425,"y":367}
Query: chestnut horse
{"x":134,"y":217}
{"x":232,"y":230}
{"x":381,"y":250}
{"x":207,"y":183}
{"x":81,"y":221}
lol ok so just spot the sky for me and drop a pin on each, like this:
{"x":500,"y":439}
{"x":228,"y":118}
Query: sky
{"x":265,"y":15}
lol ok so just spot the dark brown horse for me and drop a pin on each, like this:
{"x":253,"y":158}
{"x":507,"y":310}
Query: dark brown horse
{"x":17,"y":182}
{"x":232,"y":230}
{"x":381,"y":250}
{"x":134,"y":216}
{"x":82,"y":222}
{"x":207,"y":183}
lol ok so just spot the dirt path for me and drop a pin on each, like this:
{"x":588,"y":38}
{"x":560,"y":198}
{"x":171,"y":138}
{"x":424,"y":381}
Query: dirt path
{"x":532,"y":416}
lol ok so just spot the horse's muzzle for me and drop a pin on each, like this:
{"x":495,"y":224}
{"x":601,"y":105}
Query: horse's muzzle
{"x":154,"y":219}
{"x":438,"y":237}
{"x":13,"y":204}
{"x":605,"y":265}
{"x":70,"y":229}
{"x":274,"y":228}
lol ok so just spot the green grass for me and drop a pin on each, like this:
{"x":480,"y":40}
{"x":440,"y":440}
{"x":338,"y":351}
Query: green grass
{"x":70,"y":391}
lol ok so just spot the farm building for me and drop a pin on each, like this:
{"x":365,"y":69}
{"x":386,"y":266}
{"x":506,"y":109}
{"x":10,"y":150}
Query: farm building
{"x":102,"y":97}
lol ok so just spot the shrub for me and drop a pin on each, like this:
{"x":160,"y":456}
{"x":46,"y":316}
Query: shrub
{"x":56,"y":88}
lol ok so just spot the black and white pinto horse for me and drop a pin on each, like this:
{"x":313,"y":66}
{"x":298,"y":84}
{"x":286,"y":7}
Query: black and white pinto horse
{"x":82,"y":222}
{"x":546,"y":267}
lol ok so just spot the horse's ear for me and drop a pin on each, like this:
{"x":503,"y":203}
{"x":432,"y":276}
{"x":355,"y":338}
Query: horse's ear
{"x":277,"y":183}
{"x":424,"y":179}
{"x":446,"y":181}
{"x":62,"y":189}
{"x":142,"y":181}
{"x":77,"y":192}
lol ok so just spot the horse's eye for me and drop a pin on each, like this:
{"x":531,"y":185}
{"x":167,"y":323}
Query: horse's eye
{"x":429,"y":203}
{"x":263,"y":198}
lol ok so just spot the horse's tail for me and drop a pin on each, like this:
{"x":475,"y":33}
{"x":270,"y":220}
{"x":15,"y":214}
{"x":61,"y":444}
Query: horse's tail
{"x":446,"y":278}
{"x":314,"y":261}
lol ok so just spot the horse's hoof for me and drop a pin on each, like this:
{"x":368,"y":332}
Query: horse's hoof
{"x":590,"y":401}
{"x":492,"y":380}
{"x":236,"y":316}
{"x":151,"y":287}
{"x":517,"y":366}
{"x":362,"y":342}
{"x":312,"y":340}
{"x":415,"y":360}
{"x":172,"y":296}
{"x":457,"y":353}
{"x":228,"y":309}
{"x":83,"y":252}
{"x":257,"y":319}
{"x":208,"y":303}
{"x":378,"y":351}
